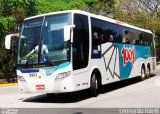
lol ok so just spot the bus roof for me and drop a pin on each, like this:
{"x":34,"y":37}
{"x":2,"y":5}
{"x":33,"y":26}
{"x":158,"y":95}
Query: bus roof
{"x":95,"y":16}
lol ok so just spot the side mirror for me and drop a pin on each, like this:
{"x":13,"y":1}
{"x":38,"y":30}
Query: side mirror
{"x":8,"y":41}
{"x":67,"y":32}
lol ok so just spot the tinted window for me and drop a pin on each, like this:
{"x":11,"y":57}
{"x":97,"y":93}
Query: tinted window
{"x":132,"y":36}
{"x":98,"y":31}
{"x":112,"y":32}
{"x":146,"y":39}
{"x":127,"y":35}
{"x":103,"y":31}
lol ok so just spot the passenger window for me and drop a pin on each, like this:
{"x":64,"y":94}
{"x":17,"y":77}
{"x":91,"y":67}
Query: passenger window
{"x":98,"y":31}
{"x":145,"y":38}
{"x":112,"y":32}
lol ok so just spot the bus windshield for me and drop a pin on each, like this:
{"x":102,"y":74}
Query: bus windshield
{"x":42,"y":40}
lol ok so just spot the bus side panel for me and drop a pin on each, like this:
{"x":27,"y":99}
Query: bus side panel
{"x":110,"y":61}
{"x":121,"y":61}
{"x":131,"y":59}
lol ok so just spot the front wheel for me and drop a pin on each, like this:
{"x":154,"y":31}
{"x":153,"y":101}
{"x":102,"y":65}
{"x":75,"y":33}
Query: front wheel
{"x":50,"y":95}
{"x":94,"y":86}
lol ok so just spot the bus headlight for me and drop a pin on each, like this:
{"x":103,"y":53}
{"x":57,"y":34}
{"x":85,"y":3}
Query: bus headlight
{"x":63,"y":75}
{"x":21,"y":78}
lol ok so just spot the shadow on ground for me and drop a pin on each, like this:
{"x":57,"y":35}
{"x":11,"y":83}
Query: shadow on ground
{"x":81,"y":95}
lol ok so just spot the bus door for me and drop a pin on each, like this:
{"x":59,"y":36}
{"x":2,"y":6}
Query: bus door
{"x":80,"y":44}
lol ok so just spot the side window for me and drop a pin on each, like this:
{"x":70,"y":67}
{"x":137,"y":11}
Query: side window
{"x":131,"y":36}
{"x":124,"y":34}
{"x":98,"y":31}
{"x":146,"y":39}
{"x":135,"y":37}
{"x":112,"y":32}
{"x":103,"y":32}
{"x":128,"y":35}
{"x":80,"y":42}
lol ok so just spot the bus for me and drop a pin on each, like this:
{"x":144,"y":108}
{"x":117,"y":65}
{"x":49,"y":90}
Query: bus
{"x":74,"y":50}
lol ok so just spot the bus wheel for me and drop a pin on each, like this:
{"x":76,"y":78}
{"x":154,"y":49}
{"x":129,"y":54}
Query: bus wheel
{"x":148,"y":72}
{"x":94,"y":86}
{"x":50,"y":95}
{"x":143,"y":74}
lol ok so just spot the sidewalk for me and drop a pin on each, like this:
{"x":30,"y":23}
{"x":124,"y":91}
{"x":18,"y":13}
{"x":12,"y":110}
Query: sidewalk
{"x":157,"y":67}
{"x":8,"y":84}
{"x":3,"y":83}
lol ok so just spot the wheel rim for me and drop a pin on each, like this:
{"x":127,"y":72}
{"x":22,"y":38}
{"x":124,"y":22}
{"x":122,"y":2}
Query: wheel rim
{"x":96,"y":84}
{"x":143,"y":73}
{"x":148,"y":72}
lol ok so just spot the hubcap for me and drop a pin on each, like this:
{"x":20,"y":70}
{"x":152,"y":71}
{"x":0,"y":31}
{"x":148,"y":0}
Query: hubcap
{"x":96,"y":84}
{"x":148,"y":72}
{"x":143,"y":74}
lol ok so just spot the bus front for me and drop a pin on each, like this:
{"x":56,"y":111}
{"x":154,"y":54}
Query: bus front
{"x":43,"y":59}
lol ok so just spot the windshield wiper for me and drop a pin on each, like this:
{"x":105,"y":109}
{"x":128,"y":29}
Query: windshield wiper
{"x":26,"y":64}
{"x":49,"y":63}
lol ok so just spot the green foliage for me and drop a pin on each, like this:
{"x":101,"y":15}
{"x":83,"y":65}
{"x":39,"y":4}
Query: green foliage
{"x":12,"y":13}
{"x":6,"y":23}
{"x":114,"y":1}
{"x":18,"y":9}
{"x":46,"y":6}
{"x":30,"y":6}
{"x":103,"y":7}
{"x":6,"y":26}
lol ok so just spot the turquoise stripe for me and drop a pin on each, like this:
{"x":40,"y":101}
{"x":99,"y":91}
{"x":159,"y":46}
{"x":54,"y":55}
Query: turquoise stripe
{"x":63,"y":65}
{"x":49,"y":71}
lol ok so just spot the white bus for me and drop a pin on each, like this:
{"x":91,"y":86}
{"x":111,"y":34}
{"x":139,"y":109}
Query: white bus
{"x":74,"y":50}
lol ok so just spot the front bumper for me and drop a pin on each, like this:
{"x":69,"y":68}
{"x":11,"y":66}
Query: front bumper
{"x":47,"y":85}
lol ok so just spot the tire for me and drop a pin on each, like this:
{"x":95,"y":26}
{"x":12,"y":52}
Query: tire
{"x":148,"y":72}
{"x":50,"y":95}
{"x":94,"y":86}
{"x":143,"y":73}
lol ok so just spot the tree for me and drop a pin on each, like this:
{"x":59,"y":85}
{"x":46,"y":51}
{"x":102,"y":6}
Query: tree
{"x":151,"y":7}
{"x":6,"y":24}
{"x":46,"y":6}
{"x":103,"y":7}
{"x":19,"y":9}
{"x":12,"y":14}
{"x":134,"y":13}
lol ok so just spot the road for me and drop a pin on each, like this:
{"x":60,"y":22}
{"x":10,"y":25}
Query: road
{"x":126,"y":94}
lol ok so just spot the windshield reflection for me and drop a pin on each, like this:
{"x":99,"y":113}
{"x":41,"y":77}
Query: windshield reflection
{"x":42,"y":40}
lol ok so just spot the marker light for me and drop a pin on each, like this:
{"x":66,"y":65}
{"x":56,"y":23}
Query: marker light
{"x":21,"y":78}
{"x":63,"y":75}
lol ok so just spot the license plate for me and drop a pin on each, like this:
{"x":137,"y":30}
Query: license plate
{"x":40,"y":87}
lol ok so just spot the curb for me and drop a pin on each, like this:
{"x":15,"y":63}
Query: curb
{"x":10,"y":84}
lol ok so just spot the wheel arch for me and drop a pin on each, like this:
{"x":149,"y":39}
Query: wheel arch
{"x":143,"y":66}
{"x":98,"y":75}
{"x":148,"y":65}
